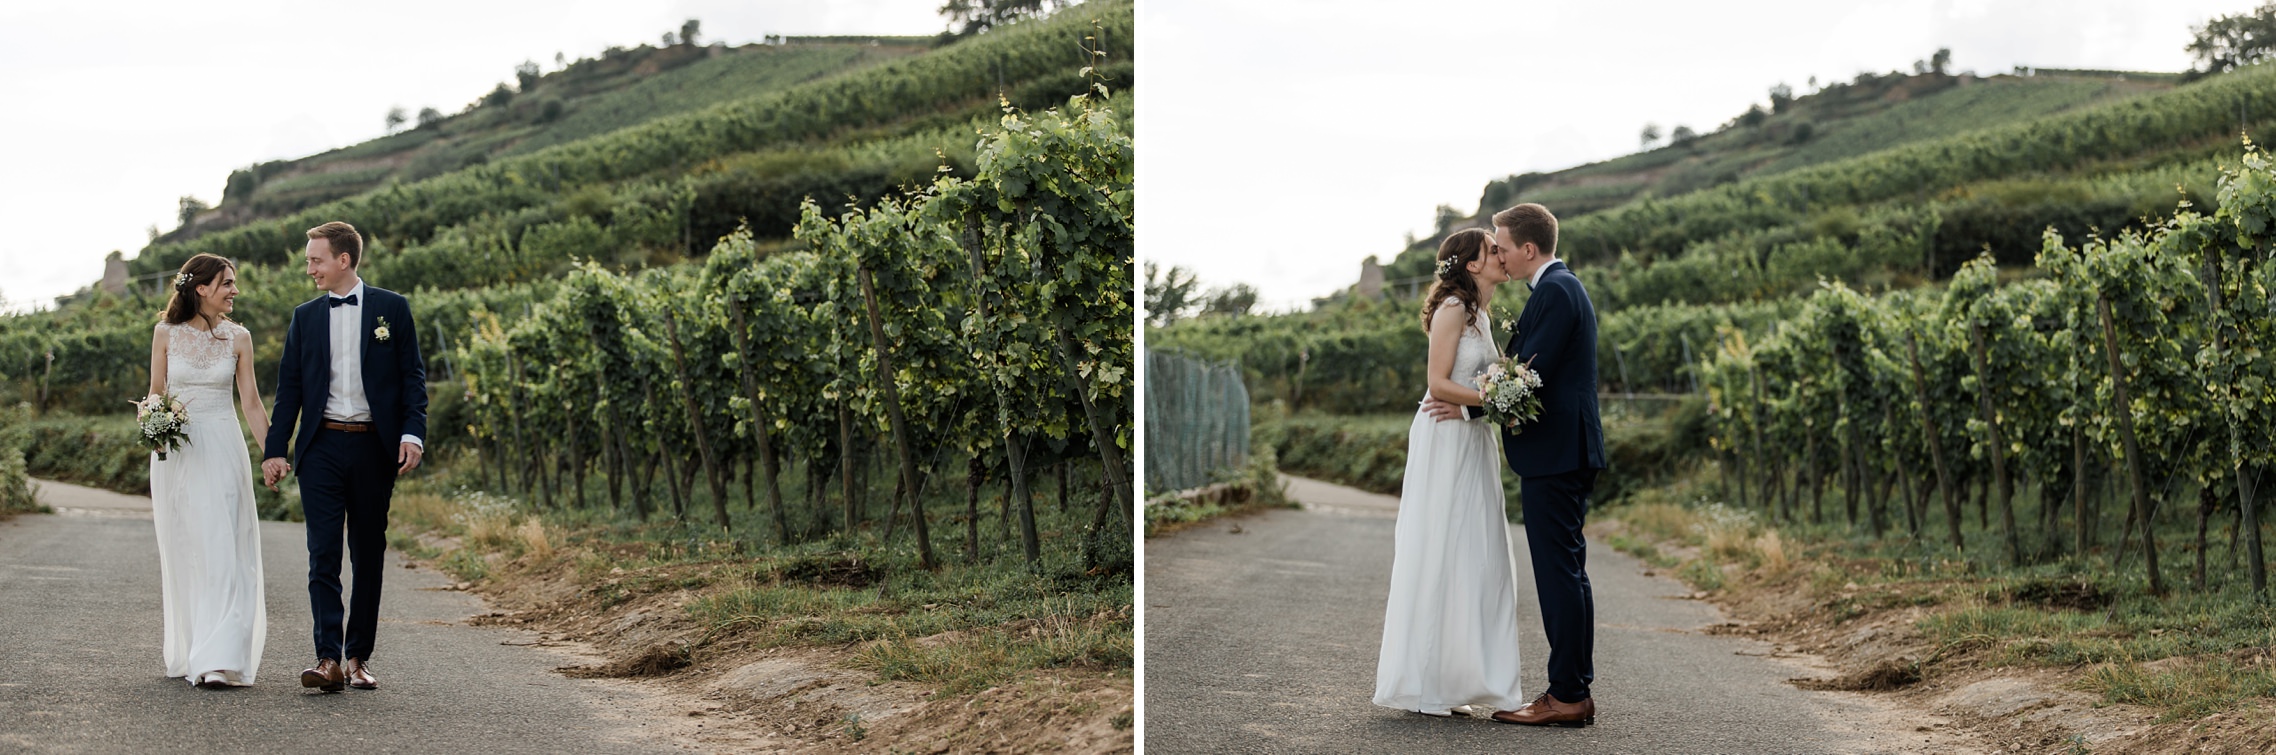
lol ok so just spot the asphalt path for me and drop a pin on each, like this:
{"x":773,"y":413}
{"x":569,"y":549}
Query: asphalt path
{"x":1262,"y":634}
{"x":80,"y":670}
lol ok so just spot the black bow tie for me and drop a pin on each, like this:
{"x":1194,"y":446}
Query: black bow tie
{"x":350,"y":300}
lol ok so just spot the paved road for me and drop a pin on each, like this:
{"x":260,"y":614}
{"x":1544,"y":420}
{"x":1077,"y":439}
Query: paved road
{"x":1265,"y":641}
{"x":80,"y":670}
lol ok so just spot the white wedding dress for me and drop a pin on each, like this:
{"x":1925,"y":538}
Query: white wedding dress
{"x":209,"y":535}
{"x":1450,"y":629}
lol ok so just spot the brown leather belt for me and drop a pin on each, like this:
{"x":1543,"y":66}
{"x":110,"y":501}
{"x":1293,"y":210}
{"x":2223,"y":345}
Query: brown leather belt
{"x":348,"y":427}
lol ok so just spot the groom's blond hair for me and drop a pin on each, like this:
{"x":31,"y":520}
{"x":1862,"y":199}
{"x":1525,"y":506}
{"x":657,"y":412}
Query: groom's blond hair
{"x":1530,"y":222}
{"x":343,"y":238}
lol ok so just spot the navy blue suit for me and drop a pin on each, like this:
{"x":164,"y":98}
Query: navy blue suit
{"x":1557,"y":458}
{"x":347,"y":480}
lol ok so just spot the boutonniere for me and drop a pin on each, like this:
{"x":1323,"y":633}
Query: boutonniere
{"x":381,"y":331}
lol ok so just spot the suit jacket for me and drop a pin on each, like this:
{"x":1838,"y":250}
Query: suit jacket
{"x":1557,"y":330}
{"x":395,"y":379}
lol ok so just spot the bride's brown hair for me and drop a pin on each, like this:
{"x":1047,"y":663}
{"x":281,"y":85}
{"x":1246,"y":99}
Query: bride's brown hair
{"x":1454,"y":279}
{"x":198,"y":271}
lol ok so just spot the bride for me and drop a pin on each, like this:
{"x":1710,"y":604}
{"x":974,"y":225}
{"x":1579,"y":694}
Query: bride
{"x":1450,"y":629}
{"x":209,"y":539}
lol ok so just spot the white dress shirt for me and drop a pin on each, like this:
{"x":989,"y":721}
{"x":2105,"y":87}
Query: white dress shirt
{"x":347,"y":401}
{"x":1529,"y":285}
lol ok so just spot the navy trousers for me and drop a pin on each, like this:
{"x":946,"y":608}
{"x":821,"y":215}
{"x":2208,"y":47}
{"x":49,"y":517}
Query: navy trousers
{"x":346,"y":483}
{"x":1554,"y":507}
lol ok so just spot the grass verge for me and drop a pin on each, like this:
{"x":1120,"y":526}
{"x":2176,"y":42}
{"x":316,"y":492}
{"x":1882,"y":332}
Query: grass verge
{"x":2195,"y":652}
{"x":1253,"y":488}
{"x":668,"y":594}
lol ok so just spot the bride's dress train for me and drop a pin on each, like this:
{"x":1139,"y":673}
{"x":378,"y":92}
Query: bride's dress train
{"x":1450,"y":629}
{"x":209,"y":537}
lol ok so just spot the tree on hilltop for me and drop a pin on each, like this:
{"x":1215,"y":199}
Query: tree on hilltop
{"x":1651,"y":135}
{"x":2230,"y":42}
{"x":395,"y":118}
{"x":1940,"y":61}
{"x":189,"y":208}
{"x":969,"y":17}
{"x":527,"y":74}
{"x":1781,"y":97}
{"x":690,"y":30}
{"x":430,"y":117}
{"x":1682,"y":135}
{"x":1169,"y":296}
{"x":1237,"y":300}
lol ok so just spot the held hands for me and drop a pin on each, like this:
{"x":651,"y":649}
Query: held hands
{"x":1442,"y":411}
{"x":272,"y":470}
{"x":408,"y":457}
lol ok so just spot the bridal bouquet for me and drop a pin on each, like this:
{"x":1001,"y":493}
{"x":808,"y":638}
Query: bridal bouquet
{"x":1512,"y":392}
{"x":161,"y":417}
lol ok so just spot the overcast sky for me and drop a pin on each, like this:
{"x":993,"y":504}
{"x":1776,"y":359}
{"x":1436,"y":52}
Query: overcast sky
{"x":115,"y":110}
{"x":1281,"y":142}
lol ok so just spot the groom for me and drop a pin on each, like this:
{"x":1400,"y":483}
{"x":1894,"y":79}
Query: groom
{"x":1556,"y":457}
{"x":351,"y":378}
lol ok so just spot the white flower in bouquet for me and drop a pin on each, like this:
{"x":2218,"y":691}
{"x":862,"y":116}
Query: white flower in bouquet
{"x":162,"y":419}
{"x":1512,"y":392}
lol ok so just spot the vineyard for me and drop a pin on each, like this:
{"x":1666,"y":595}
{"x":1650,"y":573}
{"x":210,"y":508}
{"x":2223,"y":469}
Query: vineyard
{"x":983,"y":320}
{"x":2132,"y":371}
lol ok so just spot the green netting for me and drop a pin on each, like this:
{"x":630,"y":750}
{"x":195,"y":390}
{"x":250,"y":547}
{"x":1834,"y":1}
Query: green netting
{"x":1197,"y":421}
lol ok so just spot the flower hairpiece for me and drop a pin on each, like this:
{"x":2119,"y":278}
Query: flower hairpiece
{"x":182,"y":280}
{"x":1445,"y":266}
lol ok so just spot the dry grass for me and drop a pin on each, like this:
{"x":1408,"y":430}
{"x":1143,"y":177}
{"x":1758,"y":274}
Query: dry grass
{"x":536,"y":542}
{"x":1772,"y":550}
{"x":422,"y":511}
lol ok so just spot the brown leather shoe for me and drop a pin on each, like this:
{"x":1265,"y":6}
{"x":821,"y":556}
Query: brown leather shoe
{"x":360,"y":677}
{"x":325,"y":676}
{"x":1549,"y":711}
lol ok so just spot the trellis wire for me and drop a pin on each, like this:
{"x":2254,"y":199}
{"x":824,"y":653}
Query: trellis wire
{"x":1197,"y":421}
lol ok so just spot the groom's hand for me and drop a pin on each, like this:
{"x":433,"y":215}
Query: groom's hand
{"x":1442,"y":411}
{"x":409,"y":457}
{"x":272,"y":470}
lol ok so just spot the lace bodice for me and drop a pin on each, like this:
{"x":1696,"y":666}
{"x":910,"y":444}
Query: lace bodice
{"x":1476,"y":351}
{"x":201,"y":369}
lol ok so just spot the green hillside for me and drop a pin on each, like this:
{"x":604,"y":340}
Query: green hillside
{"x":590,"y":96}
{"x":1845,"y":119}
{"x":1880,"y":156}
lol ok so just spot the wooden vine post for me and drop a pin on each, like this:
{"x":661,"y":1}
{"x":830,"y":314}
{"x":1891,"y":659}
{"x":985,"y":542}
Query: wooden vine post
{"x":2132,"y":446}
{"x":2241,"y":467}
{"x":900,"y":424}
{"x":1935,"y":446}
{"x":695,"y":417}
{"x":1998,"y":446}
{"x":760,"y":430}
{"x":1015,"y":453}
